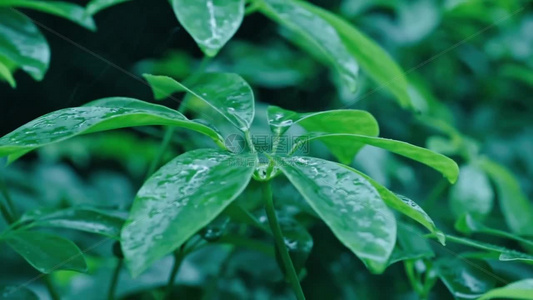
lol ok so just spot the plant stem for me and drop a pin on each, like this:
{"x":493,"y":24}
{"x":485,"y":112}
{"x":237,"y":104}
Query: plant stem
{"x":178,"y":259}
{"x":280,"y":243}
{"x":114,"y":280}
{"x":8,"y":211}
{"x":51,"y":289}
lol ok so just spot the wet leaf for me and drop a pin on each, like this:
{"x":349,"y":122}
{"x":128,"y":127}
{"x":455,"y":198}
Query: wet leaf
{"x":181,"y":198}
{"x":522,"y":289}
{"x":47,"y":252}
{"x":298,"y":18}
{"x":465,"y":279}
{"x":211,"y":23}
{"x":348,"y":204}
{"x":227,"y":93}
{"x":100,"y":115}
{"x":505,"y":254}
{"x":472,"y":194}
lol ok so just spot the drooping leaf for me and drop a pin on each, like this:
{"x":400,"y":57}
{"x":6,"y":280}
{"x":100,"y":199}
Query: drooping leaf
{"x":226,"y":93}
{"x":372,"y":58}
{"x":515,"y":206}
{"x":178,"y":200}
{"x":211,"y":23}
{"x":299,"y":18}
{"x":84,"y":219}
{"x":5,"y":74}
{"x":17,"y":293}
{"x":437,"y":161}
{"x":472,"y":194}
{"x":465,"y":279}
{"x":332,"y":121}
{"x":100,"y":115}
{"x":22,"y":43}
{"x":411,"y":244}
{"x":96,"y":6}
{"x":522,"y":289}
{"x":348,"y":204}
{"x":69,"y":11}
{"x":47,"y":252}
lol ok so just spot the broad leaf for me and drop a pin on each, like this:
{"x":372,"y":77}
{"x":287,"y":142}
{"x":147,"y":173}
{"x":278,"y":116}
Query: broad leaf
{"x":47,"y":252}
{"x":472,"y":194}
{"x":437,"y":161}
{"x":348,"y":204}
{"x":299,"y":18}
{"x":22,"y":43}
{"x":411,"y":245}
{"x":515,"y":206}
{"x":404,"y":205}
{"x":5,"y":74}
{"x":178,"y":200}
{"x":100,"y":115}
{"x":227,"y":93}
{"x":522,"y":289}
{"x":211,"y":23}
{"x":69,"y":11}
{"x":465,"y":280}
{"x":372,"y":58}
{"x":332,"y":121}
{"x":17,"y":293}
{"x":84,"y":219}
{"x":96,"y":6}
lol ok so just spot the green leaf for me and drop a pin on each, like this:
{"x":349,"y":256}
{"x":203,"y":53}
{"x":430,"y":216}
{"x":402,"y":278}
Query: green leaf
{"x":522,"y":289}
{"x":515,"y":206}
{"x":6,"y":75}
{"x":298,"y":17}
{"x":227,"y":93}
{"x":371,"y":57}
{"x":332,"y":121}
{"x":84,"y":219}
{"x":69,"y":11}
{"x":404,"y":205}
{"x":472,"y":194}
{"x":96,"y":6}
{"x":437,"y":161}
{"x":348,"y":204}
{"x":100,"y":115}
{"x":22,"y":43}
{"x":211,"y":23}
{"x":47,"y":252}
{"x":465,"y":280}
{"x":505,"y":254}
{"x":178,"y":200}
{"x":17,"y":293}
{"x":411,"y":245}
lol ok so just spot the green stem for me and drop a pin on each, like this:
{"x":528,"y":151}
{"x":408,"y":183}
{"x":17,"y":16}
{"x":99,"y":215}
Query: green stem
{"x":8,"y":211}
{"x":114,"y":280}
{"x":50,"y":287}
{"x":178,"y":259}
{"x":248,"y":137}
{"x":280,"y":243}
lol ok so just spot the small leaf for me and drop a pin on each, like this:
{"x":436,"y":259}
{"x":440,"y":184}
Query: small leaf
{"x":100,"y":115}
{"x":22,"y":43}
{"x":178,"y":200}
{"x":297,"y":16}
{"x":472,"y":194}
{"x":96,"y":6}
{"x":69,"y":11}
{"x":47,"y":252}
{"x":17,"y":293}
{"x":211,"y":23}
{"x":522,"y":289}
{"x":437,"y":161}
{"x":465,"y":280}
{"x":84,"y":219}
{"x":348,"y":204}
{"x":332,"y":121}
{"x":6,"y":75}
{"x":227,"y":93}
{"x":371,"y":57}
{"x":515,"y":206}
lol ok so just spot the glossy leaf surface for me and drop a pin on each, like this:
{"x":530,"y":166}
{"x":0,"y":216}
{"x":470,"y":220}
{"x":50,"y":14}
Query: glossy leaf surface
{"x":22,"y":43}
{"x":47,"y":252}
{"x":505,"y":254}
{"x":211,"y":23}
{"x":226,"y":93}
{"x":372,"y":58}
{"x":472,"y":194}
{"x":100,"y":115}
{"x":178,"y":200}
{"x":465,"y":280}
{"x":306,"y":23}
{"x":348,"y":204}
{"x":522,"y":289}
